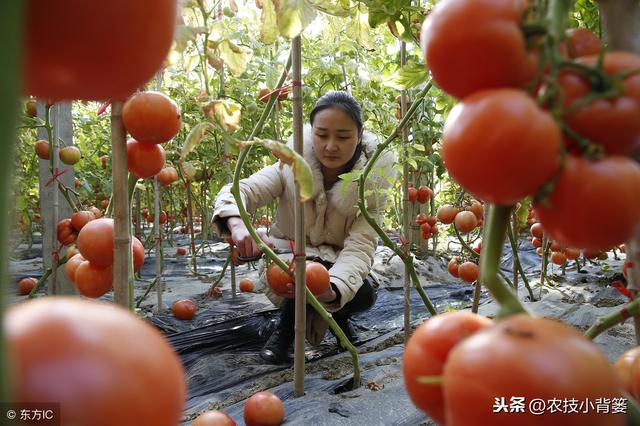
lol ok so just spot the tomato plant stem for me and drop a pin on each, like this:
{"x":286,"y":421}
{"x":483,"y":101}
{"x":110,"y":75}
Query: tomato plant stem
{"x":407,"y":258}
{"x":516,"y":261}
{"x":495,"y":228}
{"x":606,"y":322}
{"x":11,"y":23}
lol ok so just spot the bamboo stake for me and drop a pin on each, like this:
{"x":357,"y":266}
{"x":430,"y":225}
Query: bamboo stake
{"x":300,"y":234}
{"x":406,"y":224}
{"x":122,"y":240}
{"x":190,"y":225}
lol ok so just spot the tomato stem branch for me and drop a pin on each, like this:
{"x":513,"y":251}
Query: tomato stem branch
{"x":606,"y":322}
{"x":495,"y":228}
{"x":516,"y":260}
{"x":406,"y":257}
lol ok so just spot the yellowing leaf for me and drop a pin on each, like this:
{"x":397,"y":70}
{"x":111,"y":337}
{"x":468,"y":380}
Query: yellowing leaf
{"x":268,"y":23}
{"x":224,"y":112}
{"x":408,"y":76}
{"x":194,"y":138}
{"x":232,"y":55}
{"x":301,"y":170}
{"x":294,"y":16}
{"x":188,"y":170}
{"x":358,"y":29}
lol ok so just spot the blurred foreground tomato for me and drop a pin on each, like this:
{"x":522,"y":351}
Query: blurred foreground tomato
{"x":102,"y":364}
{"x":78,"y":49}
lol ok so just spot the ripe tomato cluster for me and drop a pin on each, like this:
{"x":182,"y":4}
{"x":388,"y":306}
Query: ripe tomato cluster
{"x":427,"y":225}
{"x":456,"y":364}
{"x":421,"y":194}
{"x":467,"y":271}
{"x":92,"y":268}
{"x":151,"y":118}
{"x":589,"y":111}
{"x":317,"y":278}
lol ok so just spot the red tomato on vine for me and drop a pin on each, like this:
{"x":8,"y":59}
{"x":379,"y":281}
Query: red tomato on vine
{"x":474,"y":45}
{"x":587,"y":191}
{"x":501,"y":160}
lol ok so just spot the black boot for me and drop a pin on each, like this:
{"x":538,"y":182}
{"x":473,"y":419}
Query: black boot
{"x":276,"y":350}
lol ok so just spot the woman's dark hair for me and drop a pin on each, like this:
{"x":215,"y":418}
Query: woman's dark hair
{"x":349,"y":104}
{"x":342,"y":100}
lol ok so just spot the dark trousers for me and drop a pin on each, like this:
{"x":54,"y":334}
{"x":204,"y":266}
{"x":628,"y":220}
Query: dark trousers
{"x":363,"y":300}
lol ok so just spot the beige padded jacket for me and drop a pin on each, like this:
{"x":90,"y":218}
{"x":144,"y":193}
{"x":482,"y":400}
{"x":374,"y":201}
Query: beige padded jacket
{"x":336,"y":232}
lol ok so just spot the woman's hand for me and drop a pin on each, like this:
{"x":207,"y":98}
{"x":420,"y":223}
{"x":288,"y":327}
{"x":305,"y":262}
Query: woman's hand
{"x":247,"y":247}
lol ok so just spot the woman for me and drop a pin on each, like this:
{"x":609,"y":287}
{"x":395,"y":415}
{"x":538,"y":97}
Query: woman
{"x":334,"y":143}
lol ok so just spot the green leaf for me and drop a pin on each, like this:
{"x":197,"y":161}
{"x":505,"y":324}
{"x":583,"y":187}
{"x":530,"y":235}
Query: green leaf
{"x":194,"y":138}
{"x":294,"y":16}
{"x":408,"y":77}
{"x":413,"y":163}
{"x":235,"y":57}
{"x":301,"y":170}
{"x":268,"y":23}
{"x":418,"y":147}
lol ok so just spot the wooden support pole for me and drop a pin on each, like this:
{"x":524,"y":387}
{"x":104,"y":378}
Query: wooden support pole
{"x":406,"y":213}
{"x":300,"y":237}
{"x":122,"y":239}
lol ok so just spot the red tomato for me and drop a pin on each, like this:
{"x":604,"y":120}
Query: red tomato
{"x":427,"y":352}
{"x":453,"y":266}
{"x":25,"y":285}
{"x":447,"y":213}
{"x":101,"y":363}
{"x":167,"y":176}
{"x":317,"y":277}
{"x":474,"y":45}
{"x":424,"y":194}
{"x":468,"y":272}
{"x":184,"y":309}
{"x":151,"y":117}
{"x":466,"y":221}
{"x":582,"y":42}
{"x":523,"y":356}
{"x":93,"y":280}
{"x":412,"y":194}
{"x":144,"y":160}
{"x":246,"y":285}
{"x":71,"y":266}
{"x":611,"y":121}
{"x":95,"y":242}
{"x":81,"y":218}
{"x":587,"y":191}
{"x":213,"y":418}
{"x":181,"y":251}
{"x":477,"y":209}
{"x":65,"y":232}
{"x":479,"y":151}
{"x":138,"y":254}
{"x":42,"y":149}
{"x":421,"y":218}
{"x":571,"y":253}
{"x":278,"y":280}
{"x":263,"y":409}
{"x":537,"y":230}
{"x":431,"y":220}
{"x":96,"y":212}
{"x":558,"y":258}
{"x":623,"y":367}
{"x":76,"y":49}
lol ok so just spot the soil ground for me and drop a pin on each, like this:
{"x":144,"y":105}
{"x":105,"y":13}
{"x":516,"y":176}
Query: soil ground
{"x":219,"y":346}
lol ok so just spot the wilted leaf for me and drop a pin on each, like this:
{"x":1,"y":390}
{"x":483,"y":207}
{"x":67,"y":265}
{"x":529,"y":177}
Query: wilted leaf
{"x":294,"y":16}
{"x":359,"y":31}
{"x":215,"y":61}
{"x":224,"y":112}
{"x":301,"y":170}
{"x":340,"y":8}
{"x":408,"y":77}
{"x":268,"y":23}
{"x":235,"y":58}
{"x":188,"y":170}
{"x":194,"y":138}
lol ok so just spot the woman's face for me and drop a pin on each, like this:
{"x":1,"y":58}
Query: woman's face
{"x":335,"y":137}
